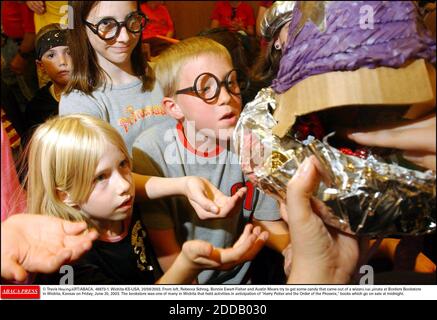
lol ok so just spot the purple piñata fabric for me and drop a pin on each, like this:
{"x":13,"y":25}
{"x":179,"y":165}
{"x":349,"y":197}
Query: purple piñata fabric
{"x":398,"y":35}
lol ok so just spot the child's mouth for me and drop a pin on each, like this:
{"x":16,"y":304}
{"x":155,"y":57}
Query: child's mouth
{"x":126,"y":204}
{"x":229,"y":118}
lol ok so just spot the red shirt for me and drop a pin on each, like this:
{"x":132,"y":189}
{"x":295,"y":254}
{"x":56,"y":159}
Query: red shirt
{"x":265,"y":4}
{"x":17,"y":19}
{"x":223,"y":13}
{"x":159,"y":23}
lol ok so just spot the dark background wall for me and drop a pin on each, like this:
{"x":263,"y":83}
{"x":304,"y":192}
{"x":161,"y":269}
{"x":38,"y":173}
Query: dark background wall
{"x":191,"y":17}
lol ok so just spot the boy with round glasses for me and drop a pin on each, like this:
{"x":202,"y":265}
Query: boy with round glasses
{"x":202,"y":95}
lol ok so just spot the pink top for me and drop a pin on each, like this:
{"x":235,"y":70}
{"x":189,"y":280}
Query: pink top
{"x":13,"y":199}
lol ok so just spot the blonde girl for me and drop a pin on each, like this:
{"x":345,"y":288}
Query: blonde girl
{"x":80,"y":170}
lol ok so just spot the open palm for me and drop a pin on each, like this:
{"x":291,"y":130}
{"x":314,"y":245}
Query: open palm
{"x":209,"y":202}
{"x":37,"y":243}
{"x":204,"y":256}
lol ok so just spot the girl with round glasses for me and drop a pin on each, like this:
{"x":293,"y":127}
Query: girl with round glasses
{"x":111,"y":79}
{"x":109,"y":28}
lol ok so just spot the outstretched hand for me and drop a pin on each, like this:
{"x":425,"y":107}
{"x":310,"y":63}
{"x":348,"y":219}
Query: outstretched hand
{"x":197,"y":255}
{"x":209,"y":202}
{"x":416,"y":138}
{"x":37,"y":243}
{"x":202,"y":255}
{"x":321,"y":254}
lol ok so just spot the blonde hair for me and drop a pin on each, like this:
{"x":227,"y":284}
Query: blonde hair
{"x":63,"y":155}
{"x":171,"y":61}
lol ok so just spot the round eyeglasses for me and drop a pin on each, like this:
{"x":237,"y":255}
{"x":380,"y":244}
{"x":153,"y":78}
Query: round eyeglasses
{"x":207,"y":86}
{"x":109,"y":28}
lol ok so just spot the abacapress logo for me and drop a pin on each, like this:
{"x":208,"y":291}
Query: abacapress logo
{"x":20,"y":292}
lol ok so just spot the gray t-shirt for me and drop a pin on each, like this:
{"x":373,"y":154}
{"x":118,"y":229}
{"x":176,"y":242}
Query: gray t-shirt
{"x":125,"y":107}
{"x":165,"y":148}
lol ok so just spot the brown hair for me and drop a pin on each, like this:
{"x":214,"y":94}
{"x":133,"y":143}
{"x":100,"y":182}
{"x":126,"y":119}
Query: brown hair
{"x":265,"y":70}
{"x":267,"y":65}
{"x":87,"y":75}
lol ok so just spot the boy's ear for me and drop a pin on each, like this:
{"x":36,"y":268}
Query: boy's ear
{"x":172,"y":108}
{"x":65,"y":198}
{"x":40,"y":65}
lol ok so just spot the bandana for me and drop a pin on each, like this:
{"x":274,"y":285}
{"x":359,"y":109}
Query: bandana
{"x":49,"y":40}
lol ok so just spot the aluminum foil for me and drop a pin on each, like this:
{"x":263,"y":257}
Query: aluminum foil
{"x":282,"y":12}
{"x":363,"y":196}
{"x":275,"y":17}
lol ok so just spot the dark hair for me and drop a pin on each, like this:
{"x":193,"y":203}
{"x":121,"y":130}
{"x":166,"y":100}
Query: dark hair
{"x":231,"y":41}
{"x":241,"y":49}
{"x":267,"y":65}
{"x":87,"y":75}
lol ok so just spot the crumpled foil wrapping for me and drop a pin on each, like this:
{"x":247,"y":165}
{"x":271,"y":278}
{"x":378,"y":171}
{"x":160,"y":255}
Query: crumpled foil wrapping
{"x":364,"y":196}
{"x":275,"y":17}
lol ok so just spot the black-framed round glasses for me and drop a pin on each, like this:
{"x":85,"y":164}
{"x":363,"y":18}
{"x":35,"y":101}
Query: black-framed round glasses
{"x":207,"y":86}
{"x":109,"y":28}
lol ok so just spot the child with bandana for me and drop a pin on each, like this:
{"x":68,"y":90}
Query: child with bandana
{"x":53,"y":59}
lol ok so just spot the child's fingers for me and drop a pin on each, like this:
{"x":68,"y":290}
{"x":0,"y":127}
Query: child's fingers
{"x":257,"y":231}
{"x":241,"y":192}
{"x":246,"y":250}
{"x":257,"y":245}
{"x":238,"y":196}
{"x":207,"y":263}
{"x":196,"y":248}
{"x":204,"y":202}
{"x":245,"y":243}
{"x":244,"y":235}
{"x":237,"y":252}
{"x":258,"y":241}
{"x":231,"y":203}
{"x":201,"y":253}
{"x":203,"y":214}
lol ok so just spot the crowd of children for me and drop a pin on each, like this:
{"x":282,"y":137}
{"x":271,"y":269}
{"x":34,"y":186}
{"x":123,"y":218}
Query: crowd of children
{"x":141,"y":158}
